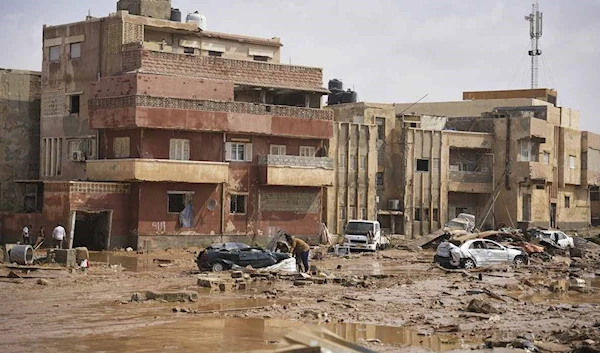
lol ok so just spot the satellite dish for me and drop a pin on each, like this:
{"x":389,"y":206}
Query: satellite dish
{"x":211,"y":204}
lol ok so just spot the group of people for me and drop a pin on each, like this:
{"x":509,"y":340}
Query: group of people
{"x":58,"y":235}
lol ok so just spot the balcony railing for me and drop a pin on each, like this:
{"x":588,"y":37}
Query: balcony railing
{"x":209,"y":106}
{"x":295,"y":161}
{"x":470,"y":177}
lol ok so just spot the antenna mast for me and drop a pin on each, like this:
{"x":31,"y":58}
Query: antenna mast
{"x":535,"y":19}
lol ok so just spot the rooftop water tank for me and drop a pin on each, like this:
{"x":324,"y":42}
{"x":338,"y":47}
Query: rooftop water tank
{"x":336,"y":85}
{"x":175,"y":15}
{"x":350,"y":97}
{"x":198,"y":19}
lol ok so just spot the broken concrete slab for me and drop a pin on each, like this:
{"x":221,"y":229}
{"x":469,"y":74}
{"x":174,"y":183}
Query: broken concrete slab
{"x":209,"y":282}
{"x":172,"y":296}
{"x":237,"y":274}
{"x":66,"y":257}
{"x":481,"y":307}
{"x":226,"y":286}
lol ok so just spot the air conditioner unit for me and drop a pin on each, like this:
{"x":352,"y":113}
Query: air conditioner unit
{"x":78,"y":156}
{"x":394,"y":205}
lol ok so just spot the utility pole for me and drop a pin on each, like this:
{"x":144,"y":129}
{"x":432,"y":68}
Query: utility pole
{"x":535,"y":19}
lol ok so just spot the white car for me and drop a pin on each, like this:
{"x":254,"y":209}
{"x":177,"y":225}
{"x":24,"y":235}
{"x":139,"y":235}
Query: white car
{"x":483,"y":252}
{"x":560,"y":238}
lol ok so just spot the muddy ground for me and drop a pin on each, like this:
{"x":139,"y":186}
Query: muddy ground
{"x":391,"y":301}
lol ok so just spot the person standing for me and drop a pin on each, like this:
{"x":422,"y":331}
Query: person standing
{"x":25,"y":235}
{"x":58,"y":234}
{"x":300,"y":250}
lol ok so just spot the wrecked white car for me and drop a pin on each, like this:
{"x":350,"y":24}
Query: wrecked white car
{"x":483,"y":252}
{"x":561,"y":239}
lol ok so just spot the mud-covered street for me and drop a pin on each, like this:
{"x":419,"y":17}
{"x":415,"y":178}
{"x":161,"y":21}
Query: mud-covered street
{"x":394,"y":300}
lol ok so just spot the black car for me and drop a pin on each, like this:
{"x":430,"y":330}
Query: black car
{"x":219,"y":257}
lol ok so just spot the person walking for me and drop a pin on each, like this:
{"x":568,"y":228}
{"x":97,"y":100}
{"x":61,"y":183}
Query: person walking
{"x":300,"y":250}
{"x":58,"y":234}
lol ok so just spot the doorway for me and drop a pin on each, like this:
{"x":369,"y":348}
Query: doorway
{"x":553,"y":215}
{"x":92,"y":230}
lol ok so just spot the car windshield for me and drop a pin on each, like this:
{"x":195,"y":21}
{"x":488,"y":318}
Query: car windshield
{"x":456,"y":224}
{"x":359,"y":228}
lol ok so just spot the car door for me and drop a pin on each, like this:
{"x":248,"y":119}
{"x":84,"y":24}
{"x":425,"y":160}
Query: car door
{"x":497,"y":253}
{"x":480,"y":253}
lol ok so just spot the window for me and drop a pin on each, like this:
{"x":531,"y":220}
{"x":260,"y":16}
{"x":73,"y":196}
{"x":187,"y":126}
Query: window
{"x":307,"y":151}
{"x":278,"y":150}
{"x":74,"y":101}
{"x":540,"y":187}
{"x":381,"y":154}
{"x":594,"y":196}
{"x":526,"y":207}
{"x":51,"y":156}
{"x":425,"y":214}
{"x":546,"y":158}
{"x":217,"y":54}
{"x":435,"y":215}
{"x":178,"y":200}
{"x":379,"y":179}
{"x":493,"y":246}
{"x":261,"y":58}
{"x":422,"y":165}
{"x":417,"y":214}
{"x":121,"y":147}
{"x":75,"y":50}
{"x":187,"y":50}
{"x":238,"y":204}
{"x":74,"y":147}
{"x":343,"y":160}
{"x":179,"y":149}
{"x":477,"y":245}
{"x":567,"y":202}
{"x":353,"y":162}
{"x":380,"y":122}
{"x":352,"y":212}
{"x":363,"y":162}
{"x":572,"y":162}
{"x":342,"y":212}
{"x":413,"y":124}
{"x":238,"y":151}
{"x":363,"y":213}
{"x":528,"y":151}
{"x":54,"y":53}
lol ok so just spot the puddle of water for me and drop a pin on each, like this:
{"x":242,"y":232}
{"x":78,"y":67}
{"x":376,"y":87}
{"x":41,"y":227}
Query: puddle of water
{"x":201,"y":334}
{"x":131,"y":263}
{"x":565,"y":294}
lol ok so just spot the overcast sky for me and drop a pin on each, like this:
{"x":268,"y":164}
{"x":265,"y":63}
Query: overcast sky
{"x":388,"y":50}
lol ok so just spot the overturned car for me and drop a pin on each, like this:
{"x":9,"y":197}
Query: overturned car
{"x":224,"y":256}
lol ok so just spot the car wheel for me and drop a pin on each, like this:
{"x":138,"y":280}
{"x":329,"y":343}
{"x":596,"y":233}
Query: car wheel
{"x":218,"y":267}
{"x":519,"y":261}
{"x":468,"y":264}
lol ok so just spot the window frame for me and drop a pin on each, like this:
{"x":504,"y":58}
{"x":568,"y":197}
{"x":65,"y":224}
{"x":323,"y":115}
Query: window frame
{"x":121,"y":141}
{"x":237,"y":196}
{"x":57,"y":48}
{"x":546,"y":158}
{"x":260,"y":58}
{"x":189,"y":50}
{"x":185,"y":194}
{"x":378,"y":178}
{"x":71,"y":97}
{"x":417,"y":165}
{"x":567,"y":201}
{"x":71,"y":45}
{"x":176,"y":144}
{"x":307,"y":151}
{"x":380,"y":122}
{"x":278,"y":150}
{"x":215,"y":54}
{"x":572,"y":162}
{"x":362,"y":165}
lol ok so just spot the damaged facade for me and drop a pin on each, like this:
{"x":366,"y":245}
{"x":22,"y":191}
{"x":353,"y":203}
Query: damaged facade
{"x":511,"y":158}
{"x":154,"y":132}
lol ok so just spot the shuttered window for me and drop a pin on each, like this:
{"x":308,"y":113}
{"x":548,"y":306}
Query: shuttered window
{"x":239,"y":152}
{"x":179,"y":149}
{"x":121,"y":147}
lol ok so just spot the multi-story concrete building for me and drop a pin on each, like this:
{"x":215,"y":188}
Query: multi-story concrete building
{"x":19,"y":139}
{"x":158,"y":133}
{"x":509,"y":157}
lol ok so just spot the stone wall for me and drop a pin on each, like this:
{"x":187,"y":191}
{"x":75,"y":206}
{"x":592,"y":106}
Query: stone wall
{"x":471,"y":177}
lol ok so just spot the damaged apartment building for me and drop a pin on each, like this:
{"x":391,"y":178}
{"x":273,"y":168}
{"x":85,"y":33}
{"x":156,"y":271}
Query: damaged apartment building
{"x":511,"y":158}
{"x":156,"y":132}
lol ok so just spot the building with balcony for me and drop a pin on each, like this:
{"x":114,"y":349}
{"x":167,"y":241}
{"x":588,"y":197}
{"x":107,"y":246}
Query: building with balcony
{"x":157,"y":133}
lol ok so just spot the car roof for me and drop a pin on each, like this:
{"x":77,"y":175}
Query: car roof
{"x":229,"y":246}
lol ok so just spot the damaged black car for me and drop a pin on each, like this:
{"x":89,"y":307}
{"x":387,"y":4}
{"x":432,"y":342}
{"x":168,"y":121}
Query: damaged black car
{"x":225,"y":256}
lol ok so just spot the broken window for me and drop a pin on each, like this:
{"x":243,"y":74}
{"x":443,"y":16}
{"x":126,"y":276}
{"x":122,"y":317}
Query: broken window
{"x":417,"y":214}
{"x":278,"y":150}
{"x":528,"y":150}
{"x":121,"y":147}
{"x":422,"y":165}
{"x":379,"y":179}
{"x":74,"y":101}
{"x":178,"y":200}
{"x":380,"y":122}
{"x":572,"y":162}
{"x":54,"y":53}
{"x":307,"y":151}
{"x":179,"y":149}
{"x":75,"y":50}
{"x":261,"y":58}
{"x":217,"y":54}
{"x":567,"y":202}
{"x":238,"y":204}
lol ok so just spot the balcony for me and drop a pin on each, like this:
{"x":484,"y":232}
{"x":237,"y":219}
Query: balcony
{"x":476,"y":140}
{"x":534,"y":171}
{"x":470,"y":182}
{"x":241,"y":72}
{"x":162,"y":170}
{"x":296,"y":170}
{"x":140,"y":111}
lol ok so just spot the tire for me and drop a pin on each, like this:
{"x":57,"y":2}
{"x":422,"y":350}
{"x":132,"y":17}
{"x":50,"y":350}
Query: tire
{"x":519,"y":260}
{"x":468,"y":264}
{"x":218,"y":267}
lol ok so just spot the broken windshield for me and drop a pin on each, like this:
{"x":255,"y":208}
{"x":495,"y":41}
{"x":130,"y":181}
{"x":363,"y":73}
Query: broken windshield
{"x":358,"y":228}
